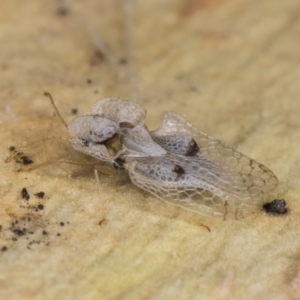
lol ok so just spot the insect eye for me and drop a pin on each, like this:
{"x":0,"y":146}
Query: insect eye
{"x":86,"y":143}
{"x":118,"y":164}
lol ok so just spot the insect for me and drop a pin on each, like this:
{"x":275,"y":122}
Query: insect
{"x":176,"y":163}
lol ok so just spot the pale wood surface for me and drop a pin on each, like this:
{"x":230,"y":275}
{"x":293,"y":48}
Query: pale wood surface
{"x":232,"y":67}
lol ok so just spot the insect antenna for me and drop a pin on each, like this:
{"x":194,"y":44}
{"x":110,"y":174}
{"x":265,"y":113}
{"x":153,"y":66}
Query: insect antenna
{"x":19,"y":151}
{"x":47,"y":94}
{"x":104,"y":168}
{"x":61,"y":160}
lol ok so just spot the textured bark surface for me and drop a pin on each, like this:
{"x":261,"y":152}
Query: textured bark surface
{"x":231,"y":67}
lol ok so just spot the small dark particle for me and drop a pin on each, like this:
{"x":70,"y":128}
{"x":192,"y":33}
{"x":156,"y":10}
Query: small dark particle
{"x":34,"y":242}
{"x":123,"y":61}
{"x":13,"y":224}
{"x":74,"y":111}
{"x":89,"y":81}
{"x":40,"y":195}
{"x":19,"y":231}
{"x":58,"y":234}
{"x":40,"y":206}
{"x":95,"y":92}
{"x":193,"y":148}
{"x":25,"y":160}
{"x":14,"y":239}
{"x":193,"y":89}
{"x":3,"y":249}
{"x":44,"y":232}
{"x":276,"y":207}
{"x":25,"y":194}
{"x":97,"y":58}
{"x":12,"y":148}
{"x":62,"y":224}
{"x":178,"y":170}
{"x":0,"y":228}
{"x":62,"y":11}
{"x":102,"y":221}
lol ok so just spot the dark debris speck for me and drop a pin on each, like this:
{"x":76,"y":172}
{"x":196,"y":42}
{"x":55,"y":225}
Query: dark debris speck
{"x":122,"y":61}
{"x":40,"y":195}
{"x":74,"y":111}
{"x":193,"y":89}
{"x":19,"y":231}
{"x":24,"y":193}
{"x":97,"y":58}
{"x":276,"y":207}
{"x":25,"y":160}
{"x":62,"y":11}
{"x":40,"y":206}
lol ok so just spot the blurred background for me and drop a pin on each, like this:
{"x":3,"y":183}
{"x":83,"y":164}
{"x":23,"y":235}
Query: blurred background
{"x":230,"y":67}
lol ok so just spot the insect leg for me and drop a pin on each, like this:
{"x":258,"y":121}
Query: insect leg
{"x":103,"y":218}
